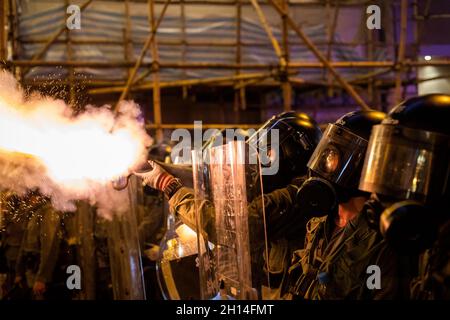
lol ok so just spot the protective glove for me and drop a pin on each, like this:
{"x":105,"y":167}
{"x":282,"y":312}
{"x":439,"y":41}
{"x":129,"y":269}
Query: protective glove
{"x":154,"y":176}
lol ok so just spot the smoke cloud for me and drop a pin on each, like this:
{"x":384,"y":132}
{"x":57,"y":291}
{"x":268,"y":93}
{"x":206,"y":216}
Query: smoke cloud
{"x":68,"y":157}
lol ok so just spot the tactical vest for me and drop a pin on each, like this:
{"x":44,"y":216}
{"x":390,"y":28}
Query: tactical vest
{"x":335,"y":267}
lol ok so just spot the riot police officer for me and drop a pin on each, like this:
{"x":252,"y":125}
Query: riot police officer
{"x":298,"y":135}
{"x":340,"y":245}
{"x":407,"y":169}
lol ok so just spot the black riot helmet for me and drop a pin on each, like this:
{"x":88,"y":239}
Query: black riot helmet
{"x":285,"y":143}
{"x":407,"y":167}
{"x":336,"y":163}
{"x":220,"y":137}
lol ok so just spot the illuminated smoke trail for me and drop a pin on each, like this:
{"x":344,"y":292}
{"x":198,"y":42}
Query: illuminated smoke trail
{"x":44,"y":145}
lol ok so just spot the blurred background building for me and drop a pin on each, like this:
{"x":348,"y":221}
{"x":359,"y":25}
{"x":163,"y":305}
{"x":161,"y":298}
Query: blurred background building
{"x":228,"y":62}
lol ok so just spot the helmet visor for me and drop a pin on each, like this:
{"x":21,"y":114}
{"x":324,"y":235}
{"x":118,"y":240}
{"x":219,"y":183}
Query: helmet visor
{"x":264,"y":137}
{"x":405,"y":163}
{"x":270,"y":138}
{"x":338,"y":156}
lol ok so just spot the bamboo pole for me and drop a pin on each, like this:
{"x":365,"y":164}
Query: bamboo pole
{"x":417,"y":29}
{"x":142,"y":54}
{"x":369,"y":55}
{"x":14,"y":35}
{"x":268,"y":30}
{"x":181,"y":83}
{"x":3,"y":35}
{"x":401,"y":51}
{"x":144,"y":74}
{"x":204,"y":126}
{"x":309,"y":3}
{"x":320,"y":56}
{"x":416,"y":36}
{"x":146,"y":86}
{"x":72,"y":98}
{"x":359,"y":80}
{"x":370,"y":75}
{"x":128,"y":46}
{"x":331,"y":32}
{"x":240,"y":101}
{"x":192,"y":42}
{"x":256,"y":82}
{"x":103,"y":84}
{"x":328,"y":26}
{"x":157,"y":117}
{"x":205,"y":65}
{"x":285,"y":84}
{"x":184,"y":44}
{"x":50,"y":41}
{"x":434,"y":16}
{"x":87,"y":83}
{"x":252,"y":82}
{"x":237,"y":56}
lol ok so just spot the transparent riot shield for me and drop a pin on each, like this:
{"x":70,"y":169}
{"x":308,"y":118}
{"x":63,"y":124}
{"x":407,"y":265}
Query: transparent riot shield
{"x":230,"y":218}
{"x":84,"y":220}
{"x":177,"y":267}
{"x":125,"y":254}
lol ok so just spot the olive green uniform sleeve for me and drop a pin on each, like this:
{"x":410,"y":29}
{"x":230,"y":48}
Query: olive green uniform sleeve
{"x":277,"y":207}
{"x":388,"y":262}
{"x":282,"y":219}
{"x":182,"y":204}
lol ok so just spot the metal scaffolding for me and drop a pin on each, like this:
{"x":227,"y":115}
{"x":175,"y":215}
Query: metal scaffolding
{"x":284,"y":73}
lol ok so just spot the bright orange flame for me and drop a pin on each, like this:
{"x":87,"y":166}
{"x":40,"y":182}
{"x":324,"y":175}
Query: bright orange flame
{"x":75,"y":151}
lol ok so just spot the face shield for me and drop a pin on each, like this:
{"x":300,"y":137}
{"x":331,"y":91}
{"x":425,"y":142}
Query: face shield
{"x":267,"y":140}
{"x":339,"y":156}
{"x":230,"y":214}
{"x":282,"y":151}
{"x":407,"y":171}
{"x":406,"y":164}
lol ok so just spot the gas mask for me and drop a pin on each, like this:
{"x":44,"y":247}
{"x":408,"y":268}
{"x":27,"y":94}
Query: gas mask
{"x":407,"y":171}
{"x":316,"y":197}
{"x":334,"y":169}
{"x":402,"y":223}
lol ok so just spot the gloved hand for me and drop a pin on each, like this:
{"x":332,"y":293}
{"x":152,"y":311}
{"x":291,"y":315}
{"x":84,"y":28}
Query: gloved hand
{"x":154,"y":176}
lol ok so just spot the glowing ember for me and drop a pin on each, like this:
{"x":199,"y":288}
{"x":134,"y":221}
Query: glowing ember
{"x":76,"y":152}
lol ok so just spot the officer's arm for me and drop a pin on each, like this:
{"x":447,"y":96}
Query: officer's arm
{"x":279,"y":210}
{"x":278,"y":204}
{"x":182,"y":204}
{"x":391,"y":289}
